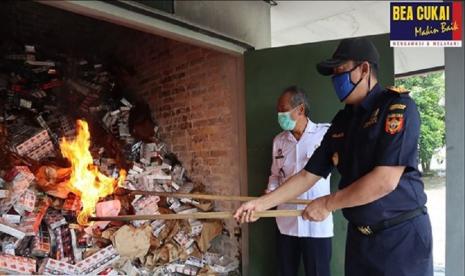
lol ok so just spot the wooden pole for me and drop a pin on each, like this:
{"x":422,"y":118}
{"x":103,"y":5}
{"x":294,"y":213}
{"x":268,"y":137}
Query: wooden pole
{"x":200,"y":215}
{"x":213,"y":197}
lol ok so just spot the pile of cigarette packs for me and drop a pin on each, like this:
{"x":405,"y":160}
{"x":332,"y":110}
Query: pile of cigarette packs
{"x":41,"y":97}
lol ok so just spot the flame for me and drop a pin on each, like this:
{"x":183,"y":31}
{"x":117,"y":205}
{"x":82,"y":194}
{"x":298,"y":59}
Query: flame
{"x":86,"y":180}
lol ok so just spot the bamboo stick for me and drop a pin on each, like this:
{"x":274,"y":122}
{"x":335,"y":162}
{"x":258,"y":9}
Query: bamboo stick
{"x":213,"y":197}
{"x":200,"y":215}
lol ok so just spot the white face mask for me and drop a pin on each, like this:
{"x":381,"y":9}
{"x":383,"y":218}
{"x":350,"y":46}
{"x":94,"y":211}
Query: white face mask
{"x":285,"y":120}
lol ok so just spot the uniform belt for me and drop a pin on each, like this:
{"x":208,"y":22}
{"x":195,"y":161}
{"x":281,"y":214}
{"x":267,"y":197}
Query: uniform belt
{"x":372,"y":229}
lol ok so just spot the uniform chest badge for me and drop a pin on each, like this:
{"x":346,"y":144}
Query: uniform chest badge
{"x":338,"y":135}
{"x":335,"y":159}
{"x":394,"y":123}
{"x":372,"y":120}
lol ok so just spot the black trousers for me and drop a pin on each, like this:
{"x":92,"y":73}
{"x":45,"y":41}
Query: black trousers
{"x":402,"y":250}
{"x":315,"y":253}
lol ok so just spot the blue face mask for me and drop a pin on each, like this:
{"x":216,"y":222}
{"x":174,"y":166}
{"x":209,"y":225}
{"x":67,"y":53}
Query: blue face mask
{"x":343,"y":85}
{"x":285,"y":121}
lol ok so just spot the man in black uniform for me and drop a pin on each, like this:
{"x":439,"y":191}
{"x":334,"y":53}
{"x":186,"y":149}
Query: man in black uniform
{"x":373,"y":144}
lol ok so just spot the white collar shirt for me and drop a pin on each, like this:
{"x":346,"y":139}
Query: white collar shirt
{"x":289,"y":157}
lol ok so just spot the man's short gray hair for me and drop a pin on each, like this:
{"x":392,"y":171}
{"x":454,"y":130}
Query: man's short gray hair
{"x":298,"y":97}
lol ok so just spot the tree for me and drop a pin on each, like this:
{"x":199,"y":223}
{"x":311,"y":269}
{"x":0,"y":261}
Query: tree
{"x":428,"y":92}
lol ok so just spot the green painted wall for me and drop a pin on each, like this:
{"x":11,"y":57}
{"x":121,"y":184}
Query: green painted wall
{"x":267,"y":72}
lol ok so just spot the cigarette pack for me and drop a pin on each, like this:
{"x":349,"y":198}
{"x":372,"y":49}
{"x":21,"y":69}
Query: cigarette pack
{"x":54,"y":219}
{"x":26,"y":202}
{"x":193,"y":261}
{"x":40,"y":246}
{"x":66,"y":240}
{"x":4,"y":193}
{"x":11,"y":218}
{"x":9,"y":244}
{"x":157,"y":227}
{"x":72,"y":203}
{"x":98,"y":261}
{"x":146,"y":205}
{"x":17,"y":265}
{"x":196,"y":227}
{"x":54,"y":267}
{"x":183,"y":239}
{"x":51,"y":84}
{"x":41,"y":63}
{"x":178,"y":267}
{"x":31,"y":222}
{"x":27,"y":139}
{"x":12,"y":230}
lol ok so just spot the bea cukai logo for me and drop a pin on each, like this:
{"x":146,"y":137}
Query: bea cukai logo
{"x":428,"y":18}
{"x":421,"y":12}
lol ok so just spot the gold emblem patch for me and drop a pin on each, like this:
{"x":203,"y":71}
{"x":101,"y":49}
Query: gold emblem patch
{"x":365,"y":230}
{"x":335,"y":159}
{"x":397,"y":107}
{"x":394,"y":123}
{"x":373,"y":119}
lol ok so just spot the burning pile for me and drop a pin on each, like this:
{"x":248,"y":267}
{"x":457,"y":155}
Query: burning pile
{"x":86,"y":181}
{"x":56,"y":173}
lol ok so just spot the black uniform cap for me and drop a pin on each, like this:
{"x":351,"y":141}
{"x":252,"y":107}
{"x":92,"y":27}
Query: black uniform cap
{"x":357,"y":49}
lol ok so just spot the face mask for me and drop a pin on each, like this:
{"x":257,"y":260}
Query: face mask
{"x":285,"y":121}
{"x":343,"y":85}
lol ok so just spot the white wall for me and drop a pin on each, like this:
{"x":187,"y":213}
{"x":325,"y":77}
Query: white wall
{"x":297,"y":22}
{"x":247,"y":21}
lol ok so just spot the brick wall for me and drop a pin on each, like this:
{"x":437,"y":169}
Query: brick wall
{"x":194,"y":93}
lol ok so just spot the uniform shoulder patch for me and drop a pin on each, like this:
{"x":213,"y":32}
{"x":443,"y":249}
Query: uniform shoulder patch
{"x":397,"y":89}
{"x":394,"y":123}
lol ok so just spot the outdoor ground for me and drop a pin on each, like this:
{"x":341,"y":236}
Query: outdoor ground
{"x":436,"y":190}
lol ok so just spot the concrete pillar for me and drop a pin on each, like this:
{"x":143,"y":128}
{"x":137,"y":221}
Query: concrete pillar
{"x":455,"y":173}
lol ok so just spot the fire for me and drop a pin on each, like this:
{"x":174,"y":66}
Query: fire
{"x":86,"y":180}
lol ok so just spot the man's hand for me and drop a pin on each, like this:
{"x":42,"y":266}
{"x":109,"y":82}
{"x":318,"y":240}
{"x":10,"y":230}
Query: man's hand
{"x":293,"y":187}
{"x":245,"y":213}
{"x":317,"y":210}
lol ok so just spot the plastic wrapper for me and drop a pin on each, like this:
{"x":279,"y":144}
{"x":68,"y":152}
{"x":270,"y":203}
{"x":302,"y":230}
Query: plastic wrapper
{"x":53,"y":180}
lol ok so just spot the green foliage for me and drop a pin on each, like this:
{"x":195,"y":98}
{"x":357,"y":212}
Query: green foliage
{"x":428,"y":92}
